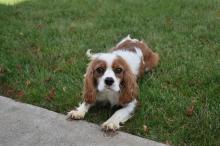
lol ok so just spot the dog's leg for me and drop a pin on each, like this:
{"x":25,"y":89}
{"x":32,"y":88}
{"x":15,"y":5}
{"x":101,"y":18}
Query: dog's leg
{"x":120,"y":116}
{"x":79,"y":112}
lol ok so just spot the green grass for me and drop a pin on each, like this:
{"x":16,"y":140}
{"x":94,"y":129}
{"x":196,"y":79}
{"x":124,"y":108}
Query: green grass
{"x":42,"y":52}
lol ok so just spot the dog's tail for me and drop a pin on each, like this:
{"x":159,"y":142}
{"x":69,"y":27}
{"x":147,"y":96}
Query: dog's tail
{"x":88,"y":53}
{"x":91,"y":55}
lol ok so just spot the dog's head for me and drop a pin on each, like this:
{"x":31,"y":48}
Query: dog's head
{"x":108,"y":71}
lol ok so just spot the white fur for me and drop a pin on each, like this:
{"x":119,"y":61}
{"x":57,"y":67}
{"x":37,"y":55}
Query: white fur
{"x":79,"y":112}
{"x":125,"y":39}
{"x":101,"y":81}
{"x":108,"y":58}
{"x":108,"y":95}
{"x":133,"y":59}
{"x":120,"y":116}
{"x":88,"y":53}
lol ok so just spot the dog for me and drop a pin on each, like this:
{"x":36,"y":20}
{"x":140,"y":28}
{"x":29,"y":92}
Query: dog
{"x":112,"y":77}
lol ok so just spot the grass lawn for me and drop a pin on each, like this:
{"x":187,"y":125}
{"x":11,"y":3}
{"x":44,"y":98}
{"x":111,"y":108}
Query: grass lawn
{"x":42,"y":60}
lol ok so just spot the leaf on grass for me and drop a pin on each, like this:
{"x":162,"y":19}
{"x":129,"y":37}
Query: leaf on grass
{"x":39,"y":26}
{"x":51,"y":95}
{"x":190,"y":110}
{"x":27,"y":82}
{"x":195,"y":82}
{"x":8,"y":91}
{"x":72,"y":27}
{"x":169,"y":21}
{"x":58,"y":69}
{"x":20,"y":94}
{"x":146,"y":129}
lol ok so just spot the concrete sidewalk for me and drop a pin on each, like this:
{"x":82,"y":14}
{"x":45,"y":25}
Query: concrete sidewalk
{"x":25,"y":125}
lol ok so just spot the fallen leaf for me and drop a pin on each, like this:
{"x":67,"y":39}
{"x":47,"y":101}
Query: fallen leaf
{"x":20,"y":94}
{"x":8,"y":91}
{"x":145,"y":128}
{"x":27,"y":83}
{"x":39,"y":26}
{"x":51,"y":95}
{"x":72,"y":27}
{"x":58,"y":69}
{"x":190,"y":110}
{"x":194,"y":82}
{"x":169,"y":21}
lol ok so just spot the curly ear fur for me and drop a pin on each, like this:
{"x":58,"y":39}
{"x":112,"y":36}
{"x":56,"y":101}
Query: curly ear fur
{"x":129,"y":88}
{"x":89,"y":86}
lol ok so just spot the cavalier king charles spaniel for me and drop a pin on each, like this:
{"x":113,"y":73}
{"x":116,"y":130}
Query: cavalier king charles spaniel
{"x":112,"y":77}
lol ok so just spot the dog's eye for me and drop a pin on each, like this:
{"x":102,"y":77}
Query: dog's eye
{"x":100,"y":70}
{"x":118,"y":70}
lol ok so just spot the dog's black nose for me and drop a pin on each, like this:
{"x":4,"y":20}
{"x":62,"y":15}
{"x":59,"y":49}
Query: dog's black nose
{"x":109,"y":81}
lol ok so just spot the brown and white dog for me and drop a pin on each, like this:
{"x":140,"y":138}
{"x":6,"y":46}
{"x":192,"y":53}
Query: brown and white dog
{"x":113,"y":77}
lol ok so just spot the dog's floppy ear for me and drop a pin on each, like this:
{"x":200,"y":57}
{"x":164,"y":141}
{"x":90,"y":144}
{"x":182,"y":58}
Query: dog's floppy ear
{"x":128,"y":84}
{"x":89,"y":94}
{"x":129,"y":88}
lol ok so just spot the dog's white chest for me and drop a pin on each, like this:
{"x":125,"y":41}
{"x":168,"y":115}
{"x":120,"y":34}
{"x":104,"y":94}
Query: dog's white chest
{"x":108,"y":95}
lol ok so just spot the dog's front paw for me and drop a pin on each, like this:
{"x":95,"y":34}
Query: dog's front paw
{"x":110,"y":125}
{"x":74,"y":114}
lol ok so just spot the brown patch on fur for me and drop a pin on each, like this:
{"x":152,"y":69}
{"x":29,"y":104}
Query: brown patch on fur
{"x":90,"y":81}
{"x":150,"y":58}
{"x":129,"y":87}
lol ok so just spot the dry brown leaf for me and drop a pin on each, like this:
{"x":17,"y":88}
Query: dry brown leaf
{"x":190,"y":110}
{"x":51,"y":95}
{"x":8,"y":91}
{"x":39,"y":26}
{"x":20,"y":94}
{"x":169,"y":21}
{"x":27,"y":83}
{"x":58,"y":69}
